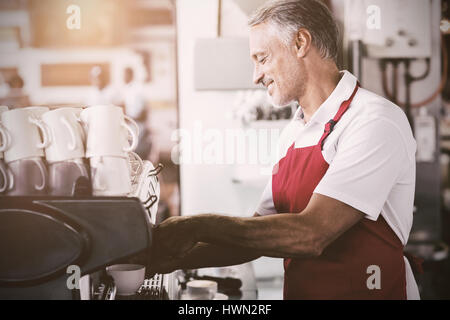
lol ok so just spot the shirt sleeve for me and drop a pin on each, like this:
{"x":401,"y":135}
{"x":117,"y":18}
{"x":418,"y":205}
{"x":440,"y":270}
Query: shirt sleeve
{"x":368,"y":161}
{"x":266,"y":205}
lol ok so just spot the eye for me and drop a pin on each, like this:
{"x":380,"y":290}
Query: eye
{"x":263,"y":60}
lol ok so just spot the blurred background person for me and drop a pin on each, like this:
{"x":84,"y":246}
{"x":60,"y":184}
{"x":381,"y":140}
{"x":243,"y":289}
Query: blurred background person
{"x":14,"y":95}
{"x":102,"y":92}
{"x":135,"y":107}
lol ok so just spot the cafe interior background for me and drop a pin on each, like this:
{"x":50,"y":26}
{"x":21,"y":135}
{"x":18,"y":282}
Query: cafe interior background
{"x":191,"y":61}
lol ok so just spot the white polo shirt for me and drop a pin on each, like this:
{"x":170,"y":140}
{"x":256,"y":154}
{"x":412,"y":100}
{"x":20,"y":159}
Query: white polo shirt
{"x":371,"y":157}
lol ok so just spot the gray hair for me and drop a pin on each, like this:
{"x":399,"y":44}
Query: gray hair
{"x":288,"y":16}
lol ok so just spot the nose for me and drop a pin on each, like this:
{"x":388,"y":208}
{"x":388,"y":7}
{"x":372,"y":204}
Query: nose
{"x":258,"y":75}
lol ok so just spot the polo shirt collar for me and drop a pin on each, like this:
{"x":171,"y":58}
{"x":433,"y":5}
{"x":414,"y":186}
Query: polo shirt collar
{"x":330,"y":106}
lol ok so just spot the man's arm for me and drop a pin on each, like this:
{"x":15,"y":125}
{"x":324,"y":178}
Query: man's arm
{"x":282,"y":235}
{"x":205,"y":255}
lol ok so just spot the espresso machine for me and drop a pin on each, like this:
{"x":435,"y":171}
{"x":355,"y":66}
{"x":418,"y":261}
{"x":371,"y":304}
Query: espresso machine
{"x":44,"y":238}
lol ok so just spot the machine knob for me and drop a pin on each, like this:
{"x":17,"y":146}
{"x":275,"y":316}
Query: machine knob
{"x":401,"y":33}
{"x":412,"y":42}
{"x":389,"y":42}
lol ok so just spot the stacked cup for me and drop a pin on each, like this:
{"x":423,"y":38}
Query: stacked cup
{"x":65,"y":151}
{"x":4,"y":137}
{"x":109,"y":150}
{"x":24,"y":138}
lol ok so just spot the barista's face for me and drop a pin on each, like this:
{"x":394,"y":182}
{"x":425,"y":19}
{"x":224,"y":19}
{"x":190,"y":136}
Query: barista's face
{"x":276,"y":66}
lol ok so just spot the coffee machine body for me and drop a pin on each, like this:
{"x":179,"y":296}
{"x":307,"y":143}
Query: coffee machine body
{"x":47,"y":243}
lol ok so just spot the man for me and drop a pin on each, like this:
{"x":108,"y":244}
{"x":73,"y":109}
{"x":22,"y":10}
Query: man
{"x":338,"y":207}
{"x":101,"y":93}
{"x":133,"y":101}
{"x":132,"y":96}
{"x":14,"y":95}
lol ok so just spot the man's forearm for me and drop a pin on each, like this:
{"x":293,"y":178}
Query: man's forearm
{"x":203,"y":255}
{"x":279,"y":236}
{"x":211,"y":255}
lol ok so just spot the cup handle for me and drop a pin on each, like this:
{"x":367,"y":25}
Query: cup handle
{"x":41,"y":168}
{"x":6,"y":138}
{"x":73,"y":145}
{"x":45,"y":135}
{"x":134,"y":135}
{"x":80,"y":123}
{"x":11,"y":179}
{"x":96,"y":180}
{"x":5,"y":179}
{"x":82,"y":170}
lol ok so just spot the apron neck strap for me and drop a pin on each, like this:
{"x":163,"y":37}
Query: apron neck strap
{"x":329,"y":126}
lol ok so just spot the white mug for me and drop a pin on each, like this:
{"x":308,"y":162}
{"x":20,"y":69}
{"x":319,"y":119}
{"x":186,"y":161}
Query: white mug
{"x":77,"y":112}
{"x":85,"y":287}
{"x":110,"y":176}
{"x":4,"y":177}
{"x":201,"y":289}
{"x":108,"y":132}
{"x":127,"y":277}
{"x":24,"y":139}
{"x":27,"y":177}
{"x":64,"y":175}
{"x":37,"y":111}
{"x":65,"y":135}
{"x":3,"y":133}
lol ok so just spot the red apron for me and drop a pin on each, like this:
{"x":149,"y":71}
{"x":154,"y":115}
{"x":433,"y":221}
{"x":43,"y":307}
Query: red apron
{"x":340,"y":272}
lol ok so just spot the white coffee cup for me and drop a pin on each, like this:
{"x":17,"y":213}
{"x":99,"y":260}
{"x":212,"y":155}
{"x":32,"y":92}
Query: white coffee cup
{"x":110,"y":176}
{"x":27,"y":177}
{"x":3,"y":143}
{"x":3,"y":133}
{"x":24,"y":140}
{"x":63,"y":176}
{"x":65,"y":135}
{"x":37,"y":111}
{"x":220,"y":296}
{"x":128,"y":278}
{"x":85,"y":287}
{"x":77,"y":112}
{"x":4,"y":178}
{"x":201,"y":289}
{"x":108,"y":132}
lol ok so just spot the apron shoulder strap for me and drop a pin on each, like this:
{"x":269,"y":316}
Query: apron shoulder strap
{"x":329,"y":126}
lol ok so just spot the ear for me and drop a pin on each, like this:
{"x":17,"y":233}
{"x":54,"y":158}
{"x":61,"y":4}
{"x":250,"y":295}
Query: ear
{"x":302,"y":42}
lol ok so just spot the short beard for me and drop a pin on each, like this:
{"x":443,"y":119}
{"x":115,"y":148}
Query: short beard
{"x":277,"y":105}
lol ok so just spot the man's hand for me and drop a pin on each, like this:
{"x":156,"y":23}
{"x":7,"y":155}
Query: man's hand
{"x":163,"y":265}
{"x":174,"y":238}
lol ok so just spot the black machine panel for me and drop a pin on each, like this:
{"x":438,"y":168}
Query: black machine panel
{"x":41,"y":237}
{"x":26,"y":236}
